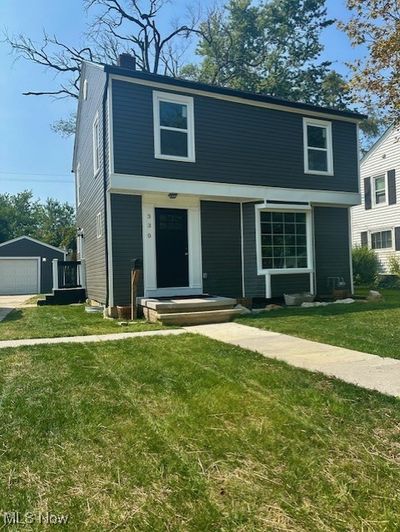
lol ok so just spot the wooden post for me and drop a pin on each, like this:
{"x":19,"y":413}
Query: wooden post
{"x":135,"y":276}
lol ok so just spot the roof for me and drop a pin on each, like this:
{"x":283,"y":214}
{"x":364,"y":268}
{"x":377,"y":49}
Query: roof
{"x":194,"y":85}
{"x":32,"y":240}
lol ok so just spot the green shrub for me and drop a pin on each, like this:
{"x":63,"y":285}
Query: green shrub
{"x":394,"y":265}
{"x":365,"y":265}
{"x":387,"y":281}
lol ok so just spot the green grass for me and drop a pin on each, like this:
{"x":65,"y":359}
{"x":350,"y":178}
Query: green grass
{"x":185,"y":433}
{"x":63,"y":320}
{"x":364,"y":326}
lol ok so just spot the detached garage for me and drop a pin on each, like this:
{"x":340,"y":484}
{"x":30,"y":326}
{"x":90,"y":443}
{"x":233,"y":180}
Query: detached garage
{"x":26,"y":266}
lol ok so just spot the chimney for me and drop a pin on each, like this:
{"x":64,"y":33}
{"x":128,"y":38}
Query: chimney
{"x":126,"y":60}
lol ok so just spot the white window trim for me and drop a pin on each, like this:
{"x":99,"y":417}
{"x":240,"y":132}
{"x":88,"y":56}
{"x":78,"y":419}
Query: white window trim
{"x":78,"y":184}
{"x":99,"y":225}
{"x":158,"y":97}
{"x":309,"y":237}
{"x":373,"y":191}
{"x":85,"y":89}
{"x":329,"y":145}
{"x":374,"y":231}
{"x":96,"y":145}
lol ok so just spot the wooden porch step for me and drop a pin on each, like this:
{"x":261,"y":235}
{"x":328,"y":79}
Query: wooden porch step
{"x":198,"y":318}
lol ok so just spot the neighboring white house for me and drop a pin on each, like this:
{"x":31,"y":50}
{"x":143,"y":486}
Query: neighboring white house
{"x":376,"y":222}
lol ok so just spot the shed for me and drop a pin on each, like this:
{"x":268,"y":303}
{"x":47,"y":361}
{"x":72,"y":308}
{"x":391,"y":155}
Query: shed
{"x":26,"y":266}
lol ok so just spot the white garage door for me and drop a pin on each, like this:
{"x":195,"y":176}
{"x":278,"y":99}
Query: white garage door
{"x":18,"y":276}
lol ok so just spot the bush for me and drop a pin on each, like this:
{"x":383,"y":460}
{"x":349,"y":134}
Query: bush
{"x":365,"y":265}
{"x":394,"y":265}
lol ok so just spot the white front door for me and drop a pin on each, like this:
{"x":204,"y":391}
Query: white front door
{"x":171,"y":245}
{"x":19,"y":276}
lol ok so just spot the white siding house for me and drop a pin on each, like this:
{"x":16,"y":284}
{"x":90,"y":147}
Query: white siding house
{"x":376,"y":221}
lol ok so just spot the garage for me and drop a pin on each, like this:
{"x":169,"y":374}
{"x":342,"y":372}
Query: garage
{"x":19,"y":276}
{"x":26,"y":266}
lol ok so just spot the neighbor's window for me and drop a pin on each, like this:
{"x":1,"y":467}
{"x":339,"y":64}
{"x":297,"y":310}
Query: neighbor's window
{"x":96,"y":145}
{"x":379,"y":184}
{"x":283,"y":240}
{"x":99,"y":226}
{"x":85,"y":89}
{"x":381,"y":240}
{"x":318,"y":158}
{"x":173,"y":127}
{"x":78,"y":184}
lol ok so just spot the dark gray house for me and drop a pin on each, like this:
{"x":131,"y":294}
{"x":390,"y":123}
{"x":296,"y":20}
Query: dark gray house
{"x":26,"y":266}
{"x":218,"y":191}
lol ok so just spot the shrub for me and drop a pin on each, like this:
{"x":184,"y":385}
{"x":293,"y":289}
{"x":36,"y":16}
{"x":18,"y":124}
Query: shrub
{"x":394,"y":265}
{"x":365,"y":265}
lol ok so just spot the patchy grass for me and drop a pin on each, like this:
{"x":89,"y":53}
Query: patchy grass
{"x":186,"y":433}
{"x":363,"y":326}
{"x":63,"y":320}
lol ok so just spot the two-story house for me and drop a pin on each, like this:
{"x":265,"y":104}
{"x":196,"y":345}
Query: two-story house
{"x":376,"y":221}
{"x":218,"y":191}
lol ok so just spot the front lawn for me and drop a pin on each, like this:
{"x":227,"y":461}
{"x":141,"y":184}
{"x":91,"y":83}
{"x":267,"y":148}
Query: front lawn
{"x":186,"y":433}
{"x":62,"y":320}
{"x":369,"y":327}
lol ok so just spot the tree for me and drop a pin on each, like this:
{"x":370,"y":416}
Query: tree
{"x":115,"y":26}
{"x":375,"y":24}
{"x":53,"y":222}
{"x":272,"y":48}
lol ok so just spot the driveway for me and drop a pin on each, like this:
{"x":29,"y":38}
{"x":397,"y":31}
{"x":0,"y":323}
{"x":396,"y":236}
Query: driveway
{"x":8,"y":303}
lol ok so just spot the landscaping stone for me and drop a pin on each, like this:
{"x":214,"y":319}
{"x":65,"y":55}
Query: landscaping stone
{"x":315,"y":304}
{"x":273,"y":307}
{"x":374,"y":295}
{"x":346,"y":301}
{"x":244,"y":310}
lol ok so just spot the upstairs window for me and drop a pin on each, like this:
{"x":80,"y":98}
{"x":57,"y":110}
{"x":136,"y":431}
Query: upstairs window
{"x":99,"y":225}
{"x":318,"y":156}
{"x":173,"y":127}
{"x":85,"y":89}
{"x":382,"y":240}
{"x":96,"y":145}
{"x":284,"y":241}
{"x":379,"y":190}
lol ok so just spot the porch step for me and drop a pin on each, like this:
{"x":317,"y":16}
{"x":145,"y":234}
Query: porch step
{"x":189,"y":311}
{"x":199,"y":318}
{"x":64,"y":296}
{"x":193,"y":304}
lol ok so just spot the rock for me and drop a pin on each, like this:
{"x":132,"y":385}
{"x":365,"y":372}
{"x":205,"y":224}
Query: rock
{"x":374,"y":295}
{"x":244,"y":310}
{"x":314,"y":304}
{"x":123,"y":323}
{"x":346,"y":301}
{"x":257,"y":310}
{"x":273,"y":307}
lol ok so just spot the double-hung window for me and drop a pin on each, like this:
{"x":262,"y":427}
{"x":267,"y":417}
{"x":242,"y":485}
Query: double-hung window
{"x":382,"y":240}
{"x":78,"y":184}
{"x":379,"y":190}
{"x":99,"y":225}
{"x":96,"y":145}
{"x":318,"y":151}
{"x":284,"y":240}
{"x":173,"y":127}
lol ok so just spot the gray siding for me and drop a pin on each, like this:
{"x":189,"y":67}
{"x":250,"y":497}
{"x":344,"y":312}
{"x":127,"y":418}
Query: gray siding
{"x":289,"y":284}
{"x":27,"y":248}
{"x":221,"y":248}
{"x":92,"y":187}
{"x":127,"y":243}
{"x":254,"y":285}
{"x":332,"y":254}
{"x":235,"y":143}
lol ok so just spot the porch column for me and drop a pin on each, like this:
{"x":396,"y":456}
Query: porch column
{"x":55,"y":274}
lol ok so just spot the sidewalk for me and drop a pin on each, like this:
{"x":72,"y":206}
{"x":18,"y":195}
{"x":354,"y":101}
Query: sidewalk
{"x":365,"y":370}
{"x":86,"y":339}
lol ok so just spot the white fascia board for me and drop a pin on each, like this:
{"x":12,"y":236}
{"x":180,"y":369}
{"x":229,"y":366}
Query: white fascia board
{"x":128,"y":183}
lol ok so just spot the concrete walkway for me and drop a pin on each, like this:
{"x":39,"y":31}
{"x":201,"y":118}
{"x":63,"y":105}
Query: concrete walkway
{"x":365,"y":370}
{"x":9,"y":303}
{"x":86,"y":339}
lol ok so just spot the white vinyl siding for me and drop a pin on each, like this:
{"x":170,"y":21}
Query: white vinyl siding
{"x":385,"y":157}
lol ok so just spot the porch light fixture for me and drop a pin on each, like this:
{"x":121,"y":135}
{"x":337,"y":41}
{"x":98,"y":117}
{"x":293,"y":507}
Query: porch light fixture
{"x":172,"y":195}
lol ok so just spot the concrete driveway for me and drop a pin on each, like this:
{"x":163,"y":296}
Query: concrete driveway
{"x":8,"y":303}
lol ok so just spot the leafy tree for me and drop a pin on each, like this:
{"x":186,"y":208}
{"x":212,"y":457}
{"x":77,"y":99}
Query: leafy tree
{"x":52,"y":222}
{"x":375,"y":24}
{"x":365,"y":265}
{"x":272,"y":48}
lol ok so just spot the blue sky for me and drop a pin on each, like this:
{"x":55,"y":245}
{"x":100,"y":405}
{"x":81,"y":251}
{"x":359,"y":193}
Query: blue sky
{"x":31,"y":155}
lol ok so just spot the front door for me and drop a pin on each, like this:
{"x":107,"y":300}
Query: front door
{"x":172,"y":252}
